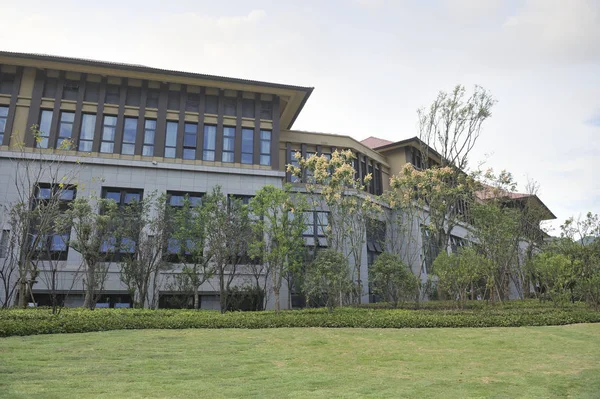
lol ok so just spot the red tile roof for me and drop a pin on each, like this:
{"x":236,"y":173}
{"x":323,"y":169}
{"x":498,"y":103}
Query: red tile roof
{"x":374,"y":142}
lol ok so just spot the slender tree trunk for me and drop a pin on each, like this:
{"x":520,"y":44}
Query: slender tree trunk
{"x":196,"y":299}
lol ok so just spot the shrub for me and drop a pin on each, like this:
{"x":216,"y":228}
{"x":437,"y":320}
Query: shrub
{"x":329,"y":276}
{"x":555,"y":274}
{"x":392,"y":279}
{"x":42,"y":321}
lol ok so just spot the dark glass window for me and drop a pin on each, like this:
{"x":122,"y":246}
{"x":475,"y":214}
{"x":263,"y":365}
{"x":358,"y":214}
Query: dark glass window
{"x":248,"y":108}
{"x":129,"y":135}
{"x":92,"y":92}
{"x":45,"y":123}
{"x":7,"y":83}
{"x":316,"y":224}
{"x":86,"y":136}
{"x":112,"y":94}
{"x":121,"y":245}
{"x":65,"y":129}
{"x":189,"y":140}
{"x":212,"y":105}
{"x":265,"y":147}
{"x":133,"y":96}
{"x":177,"y":198}
{"x":108,"y":134}
{"x":247,"y":146}
{"x":192,"y":103}
{"x":149,"y":133}
{"x":171,"y":140}
{"x":3,"y":117}
{"x":70,"y":90}
{"x":210,"y":142}
{"x":266,"y":110}
{"x":50,"y":87}
{"x":228,"y":143}
{"x":152,"y":98}
{"x":294,"y":162}
{"x":230,"y":106}
{"x":173,"y":102}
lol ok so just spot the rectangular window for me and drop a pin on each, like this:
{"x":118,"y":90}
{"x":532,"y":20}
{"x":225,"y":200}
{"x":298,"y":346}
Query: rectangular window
{"x":70,"y":90}
{"x":177,"y":198}
{"x":171,"y":140}
{"x":108,"y":134}
{"x":265,"y":147}
{"x":65,"y":129}
{"x":230,"y":106}
{"x":152,"y":99}
{"x":119,"y":246}
{"x":228,"y":144}
{"x":317,"y":223}
{"x":3,"y":117}
{"x":45,"y":123}
{"x":112,"y":94}
{"x":7,"y":83}
{"x":129,"y":136}
{"x":190,"y":131}
{"x":248,"y":108}
{"x":173,"y":100}
{"x":322,"y":219}
{"x":192,"y":103}
{"x":210,"y":142}
{"x":309,"y":173}
{"x":294,"y":162}
{"x":266,"y":110}
{"x":92,"y":92}
{"x":149,"y":133}
{"x":86,"y":136}
{"x":133,"y":96}
{"x":247,"y":146}
{"x":430,"y":249}
{"x":50,"y":88}
{"x":212,"y":105}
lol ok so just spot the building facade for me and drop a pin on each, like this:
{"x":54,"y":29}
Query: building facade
{"x":139,"y":130}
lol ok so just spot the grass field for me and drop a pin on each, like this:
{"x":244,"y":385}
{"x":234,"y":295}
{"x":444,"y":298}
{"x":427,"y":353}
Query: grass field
{"x":300,"y":363}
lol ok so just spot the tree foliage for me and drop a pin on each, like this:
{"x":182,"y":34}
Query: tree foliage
{"x":393,"y":280}
{"x":328,"y":278}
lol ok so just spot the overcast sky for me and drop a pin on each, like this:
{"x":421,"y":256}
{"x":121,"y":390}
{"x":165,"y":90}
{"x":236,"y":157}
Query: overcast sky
{"x":373,"y":63}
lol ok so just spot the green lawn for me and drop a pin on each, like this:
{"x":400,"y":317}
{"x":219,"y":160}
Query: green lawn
{"x":301,"y":363}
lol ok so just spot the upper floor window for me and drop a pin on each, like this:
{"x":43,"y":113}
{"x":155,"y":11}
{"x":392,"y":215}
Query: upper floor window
{"x":70,"y":90}
{"x":65,"y":129}
{"x":112,"y":94}
{"x":121,"y":245}
{"x":248,"y":108}
{"x":189,"y":140}
{"x":7,"y":83}
{"x":265,"y":147}
{"x":50,"y":85}
{"x":177,"y":198}
{"x":3,"y":117}
{"x":149,"y":134}
{"x":266,"y":110}
{"x":212,"y":105}
{"x":316,"y":223}
{"x":92,"y":92}
{"x":152,"y":98}
{"x":171,"y":140}
{"x":44,"y":128}
{"x":230,"y":106}
{"x":192,"y":103}
{"x":129,"y":136}
{"x":228,"y":143}
{"x":133,"y":96}
{"x":86,"y":136}
{"x":294,"y":162}
{"x":173,"y":100}
{"x":210,"y":142}
{"x":108,"y":134}
{"x":247,"y":146}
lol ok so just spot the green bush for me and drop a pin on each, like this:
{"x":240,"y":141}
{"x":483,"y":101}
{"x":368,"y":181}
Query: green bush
{"x":514,"y":314}
{"x":392,"y":279}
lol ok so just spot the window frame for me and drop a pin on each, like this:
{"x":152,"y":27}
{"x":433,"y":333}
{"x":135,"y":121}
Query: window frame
{"x":228,"y":139}
{"x":89,"y":141}
{"x":205,"y":145}
{"x":173,"y":147}
{"x":266,"y":155}
{"x":129,"y":144}
{"x":103,"y":139}
{"x":246,"y":153}
{"x":192,"y":133}
{"x":145,"y":144}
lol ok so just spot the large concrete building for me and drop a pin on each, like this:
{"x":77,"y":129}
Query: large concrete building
{"x":139,"y":130}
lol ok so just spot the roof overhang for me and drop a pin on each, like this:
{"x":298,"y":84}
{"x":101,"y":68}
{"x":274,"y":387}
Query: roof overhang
{"x":293,"y":97}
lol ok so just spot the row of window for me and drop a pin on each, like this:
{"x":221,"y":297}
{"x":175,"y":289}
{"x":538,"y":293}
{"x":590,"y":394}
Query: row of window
{"x":133,"y":98}
{"x":129,"y":137}
{"x":3,"y":118}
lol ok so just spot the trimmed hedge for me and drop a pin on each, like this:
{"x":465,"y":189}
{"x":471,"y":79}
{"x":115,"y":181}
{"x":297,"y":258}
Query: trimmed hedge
{"x":41,"y":321}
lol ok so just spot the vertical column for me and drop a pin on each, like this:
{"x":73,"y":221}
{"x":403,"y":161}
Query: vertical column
{"x":139,"y":133}
{"x":78,"y":108}
{"x":56,"y":111}
{"x":256,"y":149}
{"x":200,"y":133}
{"x":275,"y":135}
{"x":161,"y":121}
{"x":34,"y":108}
{"x":99,"y":116}
{"x":180,"y":125}
{"x":319,"y":150}
{"x":12,"y":108}
{"x":120,"y":116}
{"x":237,"y":144}
{"x":219,"y":137}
